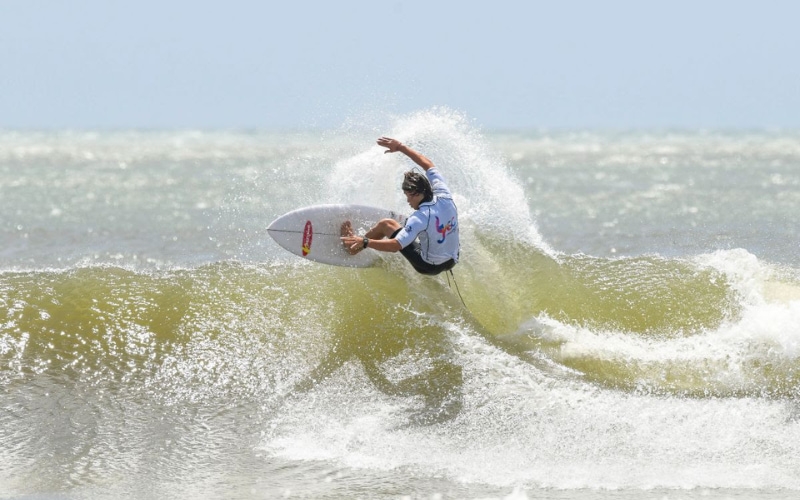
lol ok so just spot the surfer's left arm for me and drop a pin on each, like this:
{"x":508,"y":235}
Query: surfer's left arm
{"x":393,"y":145}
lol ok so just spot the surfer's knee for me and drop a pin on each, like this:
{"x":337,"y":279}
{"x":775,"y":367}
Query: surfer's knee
{"x":387,"y":226}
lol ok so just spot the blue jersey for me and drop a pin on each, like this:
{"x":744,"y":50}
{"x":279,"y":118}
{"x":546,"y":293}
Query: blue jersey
{"x":435,"y":223}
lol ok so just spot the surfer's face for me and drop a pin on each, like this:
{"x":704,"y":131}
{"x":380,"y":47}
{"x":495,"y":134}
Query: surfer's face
{"x":414,"y":199}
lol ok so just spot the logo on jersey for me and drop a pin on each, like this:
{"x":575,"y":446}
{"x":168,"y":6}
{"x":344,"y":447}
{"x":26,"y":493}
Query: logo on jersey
{"x":445,"y":229}
{"x":308,"y":235}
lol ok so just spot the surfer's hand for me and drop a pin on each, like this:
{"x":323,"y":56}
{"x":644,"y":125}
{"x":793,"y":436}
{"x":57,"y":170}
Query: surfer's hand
{"x":392,"y":145}
{"x":353,"y":244}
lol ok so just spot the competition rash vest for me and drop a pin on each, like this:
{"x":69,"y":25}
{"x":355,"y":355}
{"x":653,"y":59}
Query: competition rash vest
{"x":435,"y":223}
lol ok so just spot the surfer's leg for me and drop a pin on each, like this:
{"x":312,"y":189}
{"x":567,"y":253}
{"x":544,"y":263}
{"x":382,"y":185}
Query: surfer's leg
{"x":383,"y":229}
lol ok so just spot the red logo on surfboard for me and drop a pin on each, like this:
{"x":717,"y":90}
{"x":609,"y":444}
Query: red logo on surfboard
{"x":308,"y":235}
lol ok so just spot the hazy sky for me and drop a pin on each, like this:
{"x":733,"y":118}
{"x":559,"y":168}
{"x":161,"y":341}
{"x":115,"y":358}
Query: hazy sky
{"x":291,"y":63}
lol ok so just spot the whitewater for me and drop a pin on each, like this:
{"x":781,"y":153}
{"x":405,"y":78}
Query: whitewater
{"x":624,"y":320}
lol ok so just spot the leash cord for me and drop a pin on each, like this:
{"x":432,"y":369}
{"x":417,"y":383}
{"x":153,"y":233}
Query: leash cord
{"x":457,"y":289}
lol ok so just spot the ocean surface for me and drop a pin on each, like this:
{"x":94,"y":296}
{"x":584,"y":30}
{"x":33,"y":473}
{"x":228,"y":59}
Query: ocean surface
{"x":624,"y":322}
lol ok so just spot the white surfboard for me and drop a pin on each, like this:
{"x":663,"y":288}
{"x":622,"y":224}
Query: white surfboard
{"x":313,"y":232}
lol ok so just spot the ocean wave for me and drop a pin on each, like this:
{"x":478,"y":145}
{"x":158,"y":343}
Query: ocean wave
{"x":639,"y":323}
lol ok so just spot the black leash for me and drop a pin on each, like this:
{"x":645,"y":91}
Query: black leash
{"x":457,"y":289}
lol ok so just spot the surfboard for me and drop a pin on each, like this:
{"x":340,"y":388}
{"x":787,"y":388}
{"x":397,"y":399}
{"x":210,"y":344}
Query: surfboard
{"x":313,"y":232}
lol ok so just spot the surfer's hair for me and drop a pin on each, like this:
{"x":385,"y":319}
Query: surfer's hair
{"x":415,"y":183}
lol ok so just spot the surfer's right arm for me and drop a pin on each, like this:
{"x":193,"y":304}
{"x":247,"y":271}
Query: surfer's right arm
{"x":393,"y":145}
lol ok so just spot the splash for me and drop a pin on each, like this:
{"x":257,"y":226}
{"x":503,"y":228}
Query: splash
{"x":490,"y":200}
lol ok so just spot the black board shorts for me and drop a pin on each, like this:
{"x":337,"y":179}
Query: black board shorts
{"x":413,"y":254}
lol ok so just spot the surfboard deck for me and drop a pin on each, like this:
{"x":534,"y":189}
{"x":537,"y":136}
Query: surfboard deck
{"x":313,"y":232}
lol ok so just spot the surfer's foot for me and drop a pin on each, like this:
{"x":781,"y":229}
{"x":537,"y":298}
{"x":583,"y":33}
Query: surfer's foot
{"x":347,"y":230}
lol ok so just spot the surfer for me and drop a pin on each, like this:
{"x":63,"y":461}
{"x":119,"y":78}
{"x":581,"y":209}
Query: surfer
{"x":429,"y":239}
